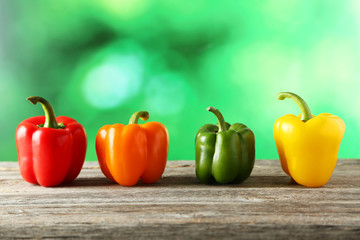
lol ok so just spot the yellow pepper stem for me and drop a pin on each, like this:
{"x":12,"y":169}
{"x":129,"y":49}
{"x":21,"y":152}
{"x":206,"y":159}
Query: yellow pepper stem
{"x":304,"y":108}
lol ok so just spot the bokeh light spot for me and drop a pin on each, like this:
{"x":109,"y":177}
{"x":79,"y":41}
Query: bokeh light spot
{"x":113,"y":81}
{"x":123,"y":8}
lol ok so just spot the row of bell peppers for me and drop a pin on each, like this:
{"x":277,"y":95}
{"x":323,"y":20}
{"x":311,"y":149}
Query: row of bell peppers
{"x":51,"y":150}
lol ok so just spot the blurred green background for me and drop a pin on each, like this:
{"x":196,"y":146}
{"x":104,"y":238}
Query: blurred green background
{"x":100,"y":61}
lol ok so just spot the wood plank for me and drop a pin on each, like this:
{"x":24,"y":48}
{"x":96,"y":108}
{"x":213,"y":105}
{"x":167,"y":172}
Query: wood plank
{"x":178,"y":206}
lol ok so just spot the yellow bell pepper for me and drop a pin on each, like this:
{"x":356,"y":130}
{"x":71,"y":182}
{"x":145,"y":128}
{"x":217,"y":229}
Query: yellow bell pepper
{"x":308,"y":145}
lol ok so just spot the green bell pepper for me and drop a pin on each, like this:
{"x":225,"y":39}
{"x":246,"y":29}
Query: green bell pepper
{"x":224,"y":153}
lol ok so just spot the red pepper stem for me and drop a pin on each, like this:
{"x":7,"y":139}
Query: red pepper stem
{"x":219,"y":116}
{"x":50,"y":119}
{"x":144,"y":115}
{"x":304,"y":108}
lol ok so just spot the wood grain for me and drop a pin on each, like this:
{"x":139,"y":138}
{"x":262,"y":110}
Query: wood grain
{"x":178,"y":206}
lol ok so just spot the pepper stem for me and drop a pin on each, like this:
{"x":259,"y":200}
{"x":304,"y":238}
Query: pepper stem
{"x":50,"y":119}
{"x":144,"y":115}
{"x":304,"y":108}
{"x":219,"y":116}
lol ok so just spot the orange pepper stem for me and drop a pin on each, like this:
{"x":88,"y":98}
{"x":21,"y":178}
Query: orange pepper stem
{"x":144,"y":115}
{"x":219,"y":116}
{"x":304,"y":108}
{"x":50,"y":119}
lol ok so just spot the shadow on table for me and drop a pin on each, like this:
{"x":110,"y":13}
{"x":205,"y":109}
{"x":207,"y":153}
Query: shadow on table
{"x":89,"y":182}
{"x":251,"y":182}
{"x":184,"y":181}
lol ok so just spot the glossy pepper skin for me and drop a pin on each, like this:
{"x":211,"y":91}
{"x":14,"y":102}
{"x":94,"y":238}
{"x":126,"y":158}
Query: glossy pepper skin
{"x":127,"y":153}
{"x":50,"y":150}
{"x":308,"y":145}
{"x":224,"y":153}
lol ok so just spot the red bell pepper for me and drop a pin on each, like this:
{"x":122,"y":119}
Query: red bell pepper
{"x":50,"y":150}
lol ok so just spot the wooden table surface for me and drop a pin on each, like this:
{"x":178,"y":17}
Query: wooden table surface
{"x":178,"y":206}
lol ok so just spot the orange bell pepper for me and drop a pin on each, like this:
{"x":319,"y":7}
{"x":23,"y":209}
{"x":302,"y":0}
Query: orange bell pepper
{"x":127,"y":153}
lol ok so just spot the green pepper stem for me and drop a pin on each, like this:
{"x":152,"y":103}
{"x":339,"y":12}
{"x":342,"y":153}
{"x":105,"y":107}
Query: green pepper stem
{"x":219,"y":116}
{"x":304,"y":108}
{"x":144,"y":115}
{"x":50,"y":119}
